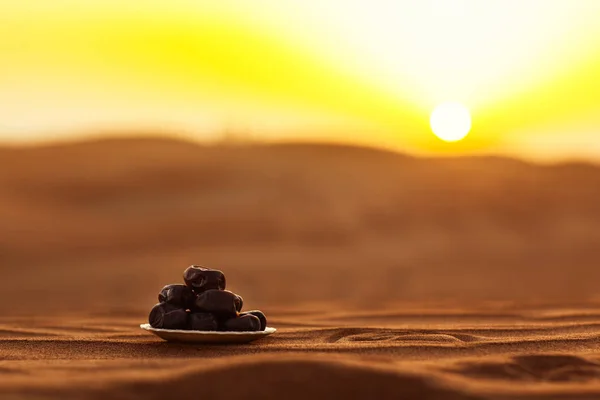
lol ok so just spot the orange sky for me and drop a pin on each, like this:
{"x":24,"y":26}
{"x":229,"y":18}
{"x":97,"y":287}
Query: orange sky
{"x":356,"y":71}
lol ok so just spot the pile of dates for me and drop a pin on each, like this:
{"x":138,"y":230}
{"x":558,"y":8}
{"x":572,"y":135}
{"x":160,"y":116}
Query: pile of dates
{"x":203,"y":304}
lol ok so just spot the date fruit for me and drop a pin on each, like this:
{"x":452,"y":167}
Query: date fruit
{"x":261,"y":317}
{"x":178,"y":295}
{"x":168,"y":316}
{"x":243,"y":323}
{"x":203,"y":304}
{"x":221,"y":302}
{"x":200,"y":279}
{"x":202,"y":322}
{"x":239,"y":302}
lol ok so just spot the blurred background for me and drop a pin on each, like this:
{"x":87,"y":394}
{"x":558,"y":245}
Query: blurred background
{"x":294,"y":145}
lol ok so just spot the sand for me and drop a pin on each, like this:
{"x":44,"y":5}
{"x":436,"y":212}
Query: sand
{"x":432,"y":353}
{"x":387,"y":276}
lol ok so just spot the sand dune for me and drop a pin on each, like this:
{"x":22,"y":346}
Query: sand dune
{"x":454,"y":358}
{"x":388,"y":226}
{"x":386,"y":275}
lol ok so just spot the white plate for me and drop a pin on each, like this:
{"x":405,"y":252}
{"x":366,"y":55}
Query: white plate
{"x":172,"y":335}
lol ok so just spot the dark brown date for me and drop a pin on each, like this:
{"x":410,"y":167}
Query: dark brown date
{"x":220,"y":302}
{"x":202,"y":322}
{"x":239,"y":302}
{"x":178,"y":295}
{"x":168,"y":316}
{"x":261,"y":317}
{"x":200,"y":279}
{"x":243,"y":323}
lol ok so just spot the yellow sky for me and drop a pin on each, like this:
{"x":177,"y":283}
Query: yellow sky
{"x":359,"y":71}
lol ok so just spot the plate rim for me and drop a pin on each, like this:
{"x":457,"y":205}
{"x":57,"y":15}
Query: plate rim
{"x":268,"y":331}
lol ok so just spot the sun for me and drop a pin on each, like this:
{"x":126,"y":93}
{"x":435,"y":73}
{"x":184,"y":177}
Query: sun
{"x":450,"y":122}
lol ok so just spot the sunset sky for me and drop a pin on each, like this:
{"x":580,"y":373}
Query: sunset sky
{"x":366,"y":72}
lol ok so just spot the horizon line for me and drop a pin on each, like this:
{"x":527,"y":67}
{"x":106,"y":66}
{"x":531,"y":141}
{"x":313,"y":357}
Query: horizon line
{"x":235,"y":140}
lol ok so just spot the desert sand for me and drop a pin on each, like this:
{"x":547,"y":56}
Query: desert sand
{"x":387,"y":276}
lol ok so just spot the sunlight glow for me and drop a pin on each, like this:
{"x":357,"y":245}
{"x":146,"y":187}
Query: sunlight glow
{"x":451,"y":122}
{"x":361,"y":71}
